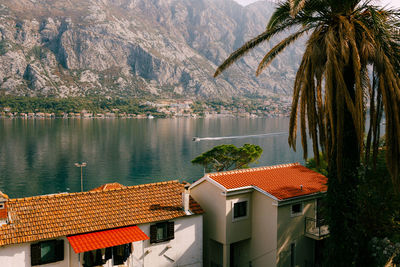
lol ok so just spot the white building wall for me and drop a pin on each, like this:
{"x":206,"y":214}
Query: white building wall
{"x":239,"y":229}
{"x":186,"y":249}
{"x":15,"y":255}
{"x":263,"y":243}
{"x":20,"y":255}
{"x":291,"y":230}
{"x":212,"y":200}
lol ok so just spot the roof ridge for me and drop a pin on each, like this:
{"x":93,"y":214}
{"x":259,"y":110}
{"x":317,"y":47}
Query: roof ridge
{"x":65,"y":194}
{"x":284,"y":165}
{"x":152,"y":184}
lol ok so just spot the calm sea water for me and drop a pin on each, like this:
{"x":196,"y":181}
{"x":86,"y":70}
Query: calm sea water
{"x":37,"y":156}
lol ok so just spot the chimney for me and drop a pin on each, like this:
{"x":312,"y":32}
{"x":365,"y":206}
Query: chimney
{"x":185,"y":199}
{"x":3,"y":208}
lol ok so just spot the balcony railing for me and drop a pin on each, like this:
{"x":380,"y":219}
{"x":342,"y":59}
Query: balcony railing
{"x":315,"y":229}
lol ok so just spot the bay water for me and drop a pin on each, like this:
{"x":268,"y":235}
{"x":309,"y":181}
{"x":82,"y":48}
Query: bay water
{"x":37,"y":156}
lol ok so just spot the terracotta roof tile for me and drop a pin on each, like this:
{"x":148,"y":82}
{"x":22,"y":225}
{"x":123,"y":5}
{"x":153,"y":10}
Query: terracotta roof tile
{"x":40,"y":217}
{"x":282,"y":181}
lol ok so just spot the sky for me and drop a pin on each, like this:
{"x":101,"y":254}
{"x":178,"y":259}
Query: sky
{"x":390,"y":3}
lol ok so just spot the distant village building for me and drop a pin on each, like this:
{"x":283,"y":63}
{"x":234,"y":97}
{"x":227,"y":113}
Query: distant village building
{"x":262,"y":217}
{"x":109,"y":115}
{"x":155,"y":224}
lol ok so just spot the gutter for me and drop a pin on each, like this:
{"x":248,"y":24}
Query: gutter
{"x":288,"y":201}
{"x":279,"y":202}
{"x":237,"y":191}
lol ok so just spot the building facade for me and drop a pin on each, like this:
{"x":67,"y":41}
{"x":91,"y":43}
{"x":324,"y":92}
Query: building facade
{"x":262,"y":216}
{"x":155,"y":224}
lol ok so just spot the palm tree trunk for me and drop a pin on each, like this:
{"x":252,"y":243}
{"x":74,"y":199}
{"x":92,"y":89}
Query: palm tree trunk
{"x":342,"y":247}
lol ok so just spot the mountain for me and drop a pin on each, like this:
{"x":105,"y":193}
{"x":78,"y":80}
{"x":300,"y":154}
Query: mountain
{"x":166,"y":48}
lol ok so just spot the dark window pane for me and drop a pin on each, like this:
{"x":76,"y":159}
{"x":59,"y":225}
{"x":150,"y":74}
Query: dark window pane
{"x":118,"y":254}
{"x":60,"y":250}
{"x":35,"y":254}
{"x":170,"y":230}
{"x":161,"y":232}
{"x":296,"y":208}
{"x":240,"y":209}
{"x":153,"y":233}
{"x":47,"y":252}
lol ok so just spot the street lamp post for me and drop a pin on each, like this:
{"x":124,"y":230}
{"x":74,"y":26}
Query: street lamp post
{"x":81,"y":165}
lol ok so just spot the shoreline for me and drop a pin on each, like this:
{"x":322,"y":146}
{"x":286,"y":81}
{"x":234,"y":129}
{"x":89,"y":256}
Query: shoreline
{"x":128,"y":117}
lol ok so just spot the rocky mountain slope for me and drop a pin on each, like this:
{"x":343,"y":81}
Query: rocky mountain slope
{"x":167,"y":48}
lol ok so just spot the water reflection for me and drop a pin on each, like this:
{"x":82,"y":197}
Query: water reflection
{"x":38,"y":156}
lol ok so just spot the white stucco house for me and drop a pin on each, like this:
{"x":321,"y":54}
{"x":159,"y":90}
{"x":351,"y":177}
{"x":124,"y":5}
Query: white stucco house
{"x":258,"y":217}
{"x":152,"y":225}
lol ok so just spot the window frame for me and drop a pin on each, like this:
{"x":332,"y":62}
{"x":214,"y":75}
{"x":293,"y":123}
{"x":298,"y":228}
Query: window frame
{"x":237,"y":201}
{"x":295,"y":214}
{"x":36,"y":252}
{"x":169,"y":235}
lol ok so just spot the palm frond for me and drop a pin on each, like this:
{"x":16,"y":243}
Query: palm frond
{"x":296,"y":6}
{"x":266,"y":35}
{"x":332,"y":86}
{"x":277,"y":49}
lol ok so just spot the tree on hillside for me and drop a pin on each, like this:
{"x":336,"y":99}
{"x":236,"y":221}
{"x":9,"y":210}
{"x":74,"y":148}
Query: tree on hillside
{"x":349,"y":41}
{"x":228,"y":157}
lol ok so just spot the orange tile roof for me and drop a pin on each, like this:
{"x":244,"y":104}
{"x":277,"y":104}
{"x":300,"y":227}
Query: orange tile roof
{"x":282,"y":181}
{"x":105,"y":239}
{"x":51,"y":216}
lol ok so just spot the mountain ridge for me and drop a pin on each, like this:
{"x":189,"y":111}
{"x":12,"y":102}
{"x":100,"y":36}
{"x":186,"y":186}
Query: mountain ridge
{"x":135,"y":48}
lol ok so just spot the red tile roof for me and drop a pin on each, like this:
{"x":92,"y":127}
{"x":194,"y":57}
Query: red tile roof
{"x":105,"y":239}
{"x":282,"y":181}
{"x":51,"y":216}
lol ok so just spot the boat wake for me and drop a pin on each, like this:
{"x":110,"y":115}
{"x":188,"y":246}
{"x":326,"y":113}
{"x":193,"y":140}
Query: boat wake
{"x":198,"y":139}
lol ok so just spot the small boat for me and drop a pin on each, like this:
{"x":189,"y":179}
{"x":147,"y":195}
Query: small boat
{"x":150,"y":117}
{"x":196,"y":139}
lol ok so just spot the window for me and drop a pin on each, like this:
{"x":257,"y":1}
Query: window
{"x":239,"y":209}
{"x":1,"y":206}
{"x":94,"y":258}
{"x":161,"y":232}
{"x":47,"y":252}
{"x":121,"y":253}
{"x":297,"y":209}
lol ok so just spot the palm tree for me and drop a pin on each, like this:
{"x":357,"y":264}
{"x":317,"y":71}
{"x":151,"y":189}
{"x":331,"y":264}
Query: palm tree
{"x":351,"y":61}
